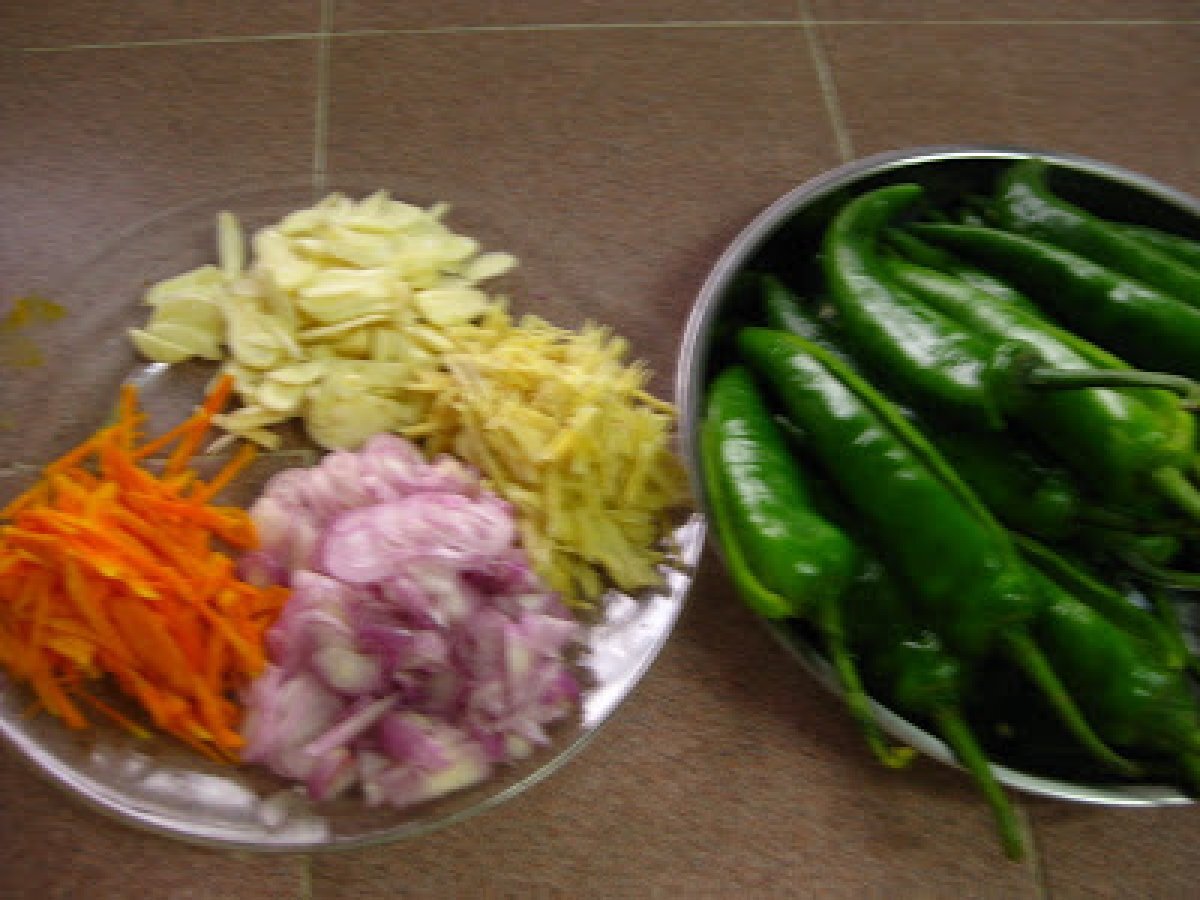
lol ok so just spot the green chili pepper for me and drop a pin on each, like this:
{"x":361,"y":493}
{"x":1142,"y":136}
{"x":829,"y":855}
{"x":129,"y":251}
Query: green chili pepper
{"x":1072,"y":576}
{"x":783,"y":311}
{"x":1183,"y":249}
{"x":1024,"y":491}
{"x":1112,"y":436}
{"x":1051,"y":346}
{"x":920,"y":350}
{"x":921,"y":679}
{"x":1115,"y":437}
{"x":1145,"y":325}
{"x":1025,"y":204}
{"x":1019,"y":489}
{"x":794,"y":553}
{"x":1159,"y":574}
{"x":913,"y":248}
{"x":1168,"y":616}
{"x":1135,"y":701}
{"x":1149,"y":549}
{"x":962,"y":568}
{"x":784,"y":557}
{"x":910,"y":666}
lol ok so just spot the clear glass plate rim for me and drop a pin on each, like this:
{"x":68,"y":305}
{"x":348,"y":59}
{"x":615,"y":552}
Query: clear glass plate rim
{"x":108,"y":802}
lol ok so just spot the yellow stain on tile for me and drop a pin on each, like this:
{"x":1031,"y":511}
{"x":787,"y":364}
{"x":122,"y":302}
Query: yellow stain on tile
{"x":17,"y":349}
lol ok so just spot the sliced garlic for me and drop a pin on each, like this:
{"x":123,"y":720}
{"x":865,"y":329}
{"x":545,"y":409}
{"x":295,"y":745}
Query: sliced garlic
{"x":304,"y":373}
{"x":312,"y":335}
{"x":231,"y":246}
{"x":280,"y":398}
{"x":198,"y":343}
{"x":206,"y":281}
{"x":337,"y":420}
{"x":489,"y":265}
{"x":156,"y":348}
{"x":450,"y":306}
{"x":250,"y":338}
{"x":194,"y":311}
{"x":344,"y":283}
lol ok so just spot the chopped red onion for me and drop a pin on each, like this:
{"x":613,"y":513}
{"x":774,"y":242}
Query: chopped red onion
{"x":333,"y":774}
{"x":369,"y":544}
{"x":413,"y":739}
{"x":362,"y":715}
{"x":418,"y":648}
{"x":348,"y":671}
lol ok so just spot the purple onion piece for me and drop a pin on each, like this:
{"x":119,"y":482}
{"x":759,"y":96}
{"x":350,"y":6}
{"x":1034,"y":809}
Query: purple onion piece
{"x":406,"y":581}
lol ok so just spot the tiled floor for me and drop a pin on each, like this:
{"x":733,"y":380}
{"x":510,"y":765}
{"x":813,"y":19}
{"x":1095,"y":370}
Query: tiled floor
{"x":617,"y":147}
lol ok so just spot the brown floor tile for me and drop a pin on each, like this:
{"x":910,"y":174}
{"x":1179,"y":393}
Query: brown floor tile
{"x":55,"y":849}
{"x":1036,"y":10}
{"x":87,"y":149}
{"x":616,"y":172}
{"x":1106,"y":92}
{"x":69,"y":22}
{"x":729,"y":773}
{"x":1116,"y":853}
{"x":355,"y":14}
{"x":88,"y":152}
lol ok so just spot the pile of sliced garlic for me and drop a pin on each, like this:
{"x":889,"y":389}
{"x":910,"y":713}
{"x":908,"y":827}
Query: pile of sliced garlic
{"x":341,"y":305}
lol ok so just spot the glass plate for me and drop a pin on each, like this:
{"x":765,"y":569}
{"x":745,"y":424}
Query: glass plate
{"x":158,"y":784}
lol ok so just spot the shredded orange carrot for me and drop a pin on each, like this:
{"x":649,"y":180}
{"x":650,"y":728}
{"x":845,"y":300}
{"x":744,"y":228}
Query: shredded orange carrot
{"x":109,"y":569}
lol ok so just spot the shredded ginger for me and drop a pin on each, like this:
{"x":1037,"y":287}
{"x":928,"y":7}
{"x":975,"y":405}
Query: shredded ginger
{"x":567,"y":433}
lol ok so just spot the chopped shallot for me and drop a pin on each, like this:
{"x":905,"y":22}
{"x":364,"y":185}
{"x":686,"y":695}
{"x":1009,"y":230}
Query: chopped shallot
{"x":418,"y":649}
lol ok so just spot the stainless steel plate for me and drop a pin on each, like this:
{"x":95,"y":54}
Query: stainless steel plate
{"x":789,"y":231}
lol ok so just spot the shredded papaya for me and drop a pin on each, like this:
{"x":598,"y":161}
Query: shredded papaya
{"x":113,"y":572}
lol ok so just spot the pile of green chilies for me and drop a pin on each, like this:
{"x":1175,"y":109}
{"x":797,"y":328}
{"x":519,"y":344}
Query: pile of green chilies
{"x":946,"y":467}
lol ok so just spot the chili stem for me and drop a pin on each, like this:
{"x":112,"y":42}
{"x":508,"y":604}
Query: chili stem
{"x":954,"y":731}
{"x":1103,"y":599}
{"x":1077,"y":379}
{"x":1033,"y":662}
{"x":1106,"y":518}
{"x":1160,"y":575}
{"x":980,"y":206}
{"x":1113,"y":521}
{"x":1172,"y":484}
{"x":855,"y":695}
{"x":1169,"y":616}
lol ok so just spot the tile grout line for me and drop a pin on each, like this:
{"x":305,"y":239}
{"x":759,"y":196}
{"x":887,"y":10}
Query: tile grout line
{"x":177,"y":42}
{"x":306,"y":878}
{"x":435,"y":29}
{"x":599,"y":26}
{"x":1049,"y":23}
{"x":1035,"y":852}
{"x":319,"y":174}
{"x":321,"y":112}
{"x":833,"y":108}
